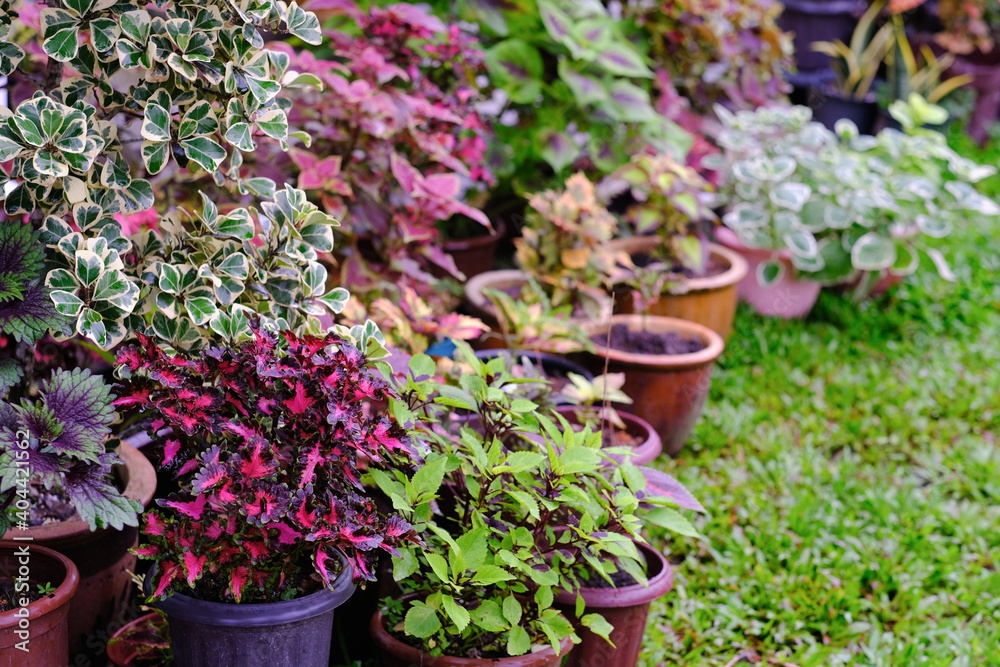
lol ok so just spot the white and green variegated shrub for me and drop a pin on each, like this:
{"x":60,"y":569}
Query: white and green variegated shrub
{"x":846,"y":207}
{"x":133,"y":93}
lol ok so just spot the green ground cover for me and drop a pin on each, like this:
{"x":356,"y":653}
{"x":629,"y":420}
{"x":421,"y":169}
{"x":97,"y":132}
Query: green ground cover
{"x":850,"y":466}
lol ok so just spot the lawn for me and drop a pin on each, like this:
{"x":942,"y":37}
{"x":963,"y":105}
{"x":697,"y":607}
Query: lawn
{"x":850,"y":468}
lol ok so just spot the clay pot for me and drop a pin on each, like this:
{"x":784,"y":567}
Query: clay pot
{"x":121,"y":654}
{"x":646,"y":452}
{"x":789,"y":298}
{"x":287,"y":633}
{"x":475,"y":255}
{"x":506,"y":279}
{"x":395,"y":653}
{"x":709,"y":301}
{"x":102,"y":558}
{"x":47,"y":619}
{"x":667,"y":390}
{"x":624,"y":608}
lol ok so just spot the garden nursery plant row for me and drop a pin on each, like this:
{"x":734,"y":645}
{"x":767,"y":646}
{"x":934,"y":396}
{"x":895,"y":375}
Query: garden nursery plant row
{"x":371,"y":333}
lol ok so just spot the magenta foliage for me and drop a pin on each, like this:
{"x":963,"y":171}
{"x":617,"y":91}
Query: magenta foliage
{"x":396,"y":143}
{"x":266,"y":439}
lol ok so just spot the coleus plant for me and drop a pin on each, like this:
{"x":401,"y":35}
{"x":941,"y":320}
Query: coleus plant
{"x":206,"y":91}
{"x":506,"y":527}
{"x":718,"y":51}
{"x":575,"y":89}
{"x":54,"y":436}
{"x":563,"y":245}
{"x":398,"y":147}
{"x":266,"y":438}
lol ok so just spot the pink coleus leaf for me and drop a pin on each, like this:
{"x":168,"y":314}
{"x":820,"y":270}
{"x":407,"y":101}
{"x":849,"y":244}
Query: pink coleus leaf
{"x":193,"y":565}
{"x":301,"y":402}
{"x":238,"y":581}
{"x":192,"y":509}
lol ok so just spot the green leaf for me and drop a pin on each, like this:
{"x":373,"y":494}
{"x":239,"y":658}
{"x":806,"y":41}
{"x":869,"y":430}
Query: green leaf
{"x":599,"y":626}
{"x":135,"y":25}
{"x":512,"y":610}
{"x":427,"y":480}
{"x":672,"y":520}
{"x":623,"y":60}
{"x":487,"y":575}
{"x":421,"y":621}
{"x":273,"y":123}
{"x":156,"y":123}
{"x":205,"y":152}
{"x":489,"y":617}
{"x":200,"y":309}
{"x":241,"y":136}
{"x":518,"y":641}
{"x":237,"y":224}
{"x":59,"y":34}
{"x":457,"y":613}
{"x":304,"y":25}
{"x":104,"y":33}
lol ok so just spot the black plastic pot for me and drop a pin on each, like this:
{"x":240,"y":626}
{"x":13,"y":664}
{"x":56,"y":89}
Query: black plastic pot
{"x":289,"y":633}
{"x":829,"y":107}
{"x":819,"y":21}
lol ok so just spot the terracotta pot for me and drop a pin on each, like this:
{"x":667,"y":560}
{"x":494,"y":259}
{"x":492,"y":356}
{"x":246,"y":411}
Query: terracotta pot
{"x":102,"y":558}
{"x":47,"y":619}
{"x":125,"y":655}
{"x":667,"y":390}
{"x":651,"y":445}
{"x":790,"y":297}
{"x":483,"y":308}
{"x":624,"y":608}
{"x":709,"y":301}
{"x":395,"y":653}
{"x":475,"y":255}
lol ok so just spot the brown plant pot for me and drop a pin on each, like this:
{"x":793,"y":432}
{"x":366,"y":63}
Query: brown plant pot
{"x":709,"y":301}
{"x":125,"y":655}
{"x":483,"y":308}
{"x":475,"y":255}
{"x":102,"y":558}
{"x":47,"y":619}
{"x":667,"y":390}
{"x":395,"y":653}
{"x":625,"y":608}
{"x":646,"y":452}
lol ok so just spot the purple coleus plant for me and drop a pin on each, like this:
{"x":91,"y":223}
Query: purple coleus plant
{"x":55,"y":435}
{"x":396,"y":146}
{"x":268,"y":440}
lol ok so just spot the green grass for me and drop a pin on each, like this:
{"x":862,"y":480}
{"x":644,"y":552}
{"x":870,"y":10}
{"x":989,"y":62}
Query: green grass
{"x":850,"y":467}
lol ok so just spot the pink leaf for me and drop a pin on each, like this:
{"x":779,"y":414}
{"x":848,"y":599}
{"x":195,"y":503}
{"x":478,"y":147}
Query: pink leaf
{"x":193,"y":564}
{"x":300,"y":403}
{"x":170,"y":450}
{"x":192,"y":509}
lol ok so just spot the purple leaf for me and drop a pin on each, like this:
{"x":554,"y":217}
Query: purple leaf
{"x":662,"y":485}
{"x":81,"y":404}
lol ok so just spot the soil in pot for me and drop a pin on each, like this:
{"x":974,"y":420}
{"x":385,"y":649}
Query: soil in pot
{"x":667,"y":390}
{"x":286,"y":633}
{"x":712,"y":268}
{"x":648,"y":342}
{"x":396,"y":653}
{"x":48,"y":642}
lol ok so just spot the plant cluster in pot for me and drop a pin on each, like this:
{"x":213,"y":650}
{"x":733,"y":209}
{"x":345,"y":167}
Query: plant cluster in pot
{"x":855,"y":66}
{"x":841,"y":208}
{"x":63,"y":481}
{"x":563,"y":250}
{"x":39,"y":585}
{"x":271,"y":527}
{"x":590,"y":405}
{"x":690,"y":278}
{"x":396,"y":150}
{"x":507,"y":527}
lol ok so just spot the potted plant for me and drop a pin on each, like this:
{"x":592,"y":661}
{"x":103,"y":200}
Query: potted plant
{"x":531,"y":323}
{"x":396,"y":152}
{"x":590,"y":405}
{"x":812,"y":21}
{"x":562,"y":249}
{"x":856,"y":66}
{"x":669,"y":216}
{"x":731,"y":52}
{"x":271,"y":528}
{"x":775,"y":167}
{"x":902,"y":194}
{"x":970,"y":29}
{"x":503,"y":536}
{"x":77,"y":490}
{"x":37,"y":585}
{"x":141,"y":641}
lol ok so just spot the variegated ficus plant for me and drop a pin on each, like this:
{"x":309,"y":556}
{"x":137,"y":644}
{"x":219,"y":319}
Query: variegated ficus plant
{"x":190,"y":86}
{"x":266,"y":438}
